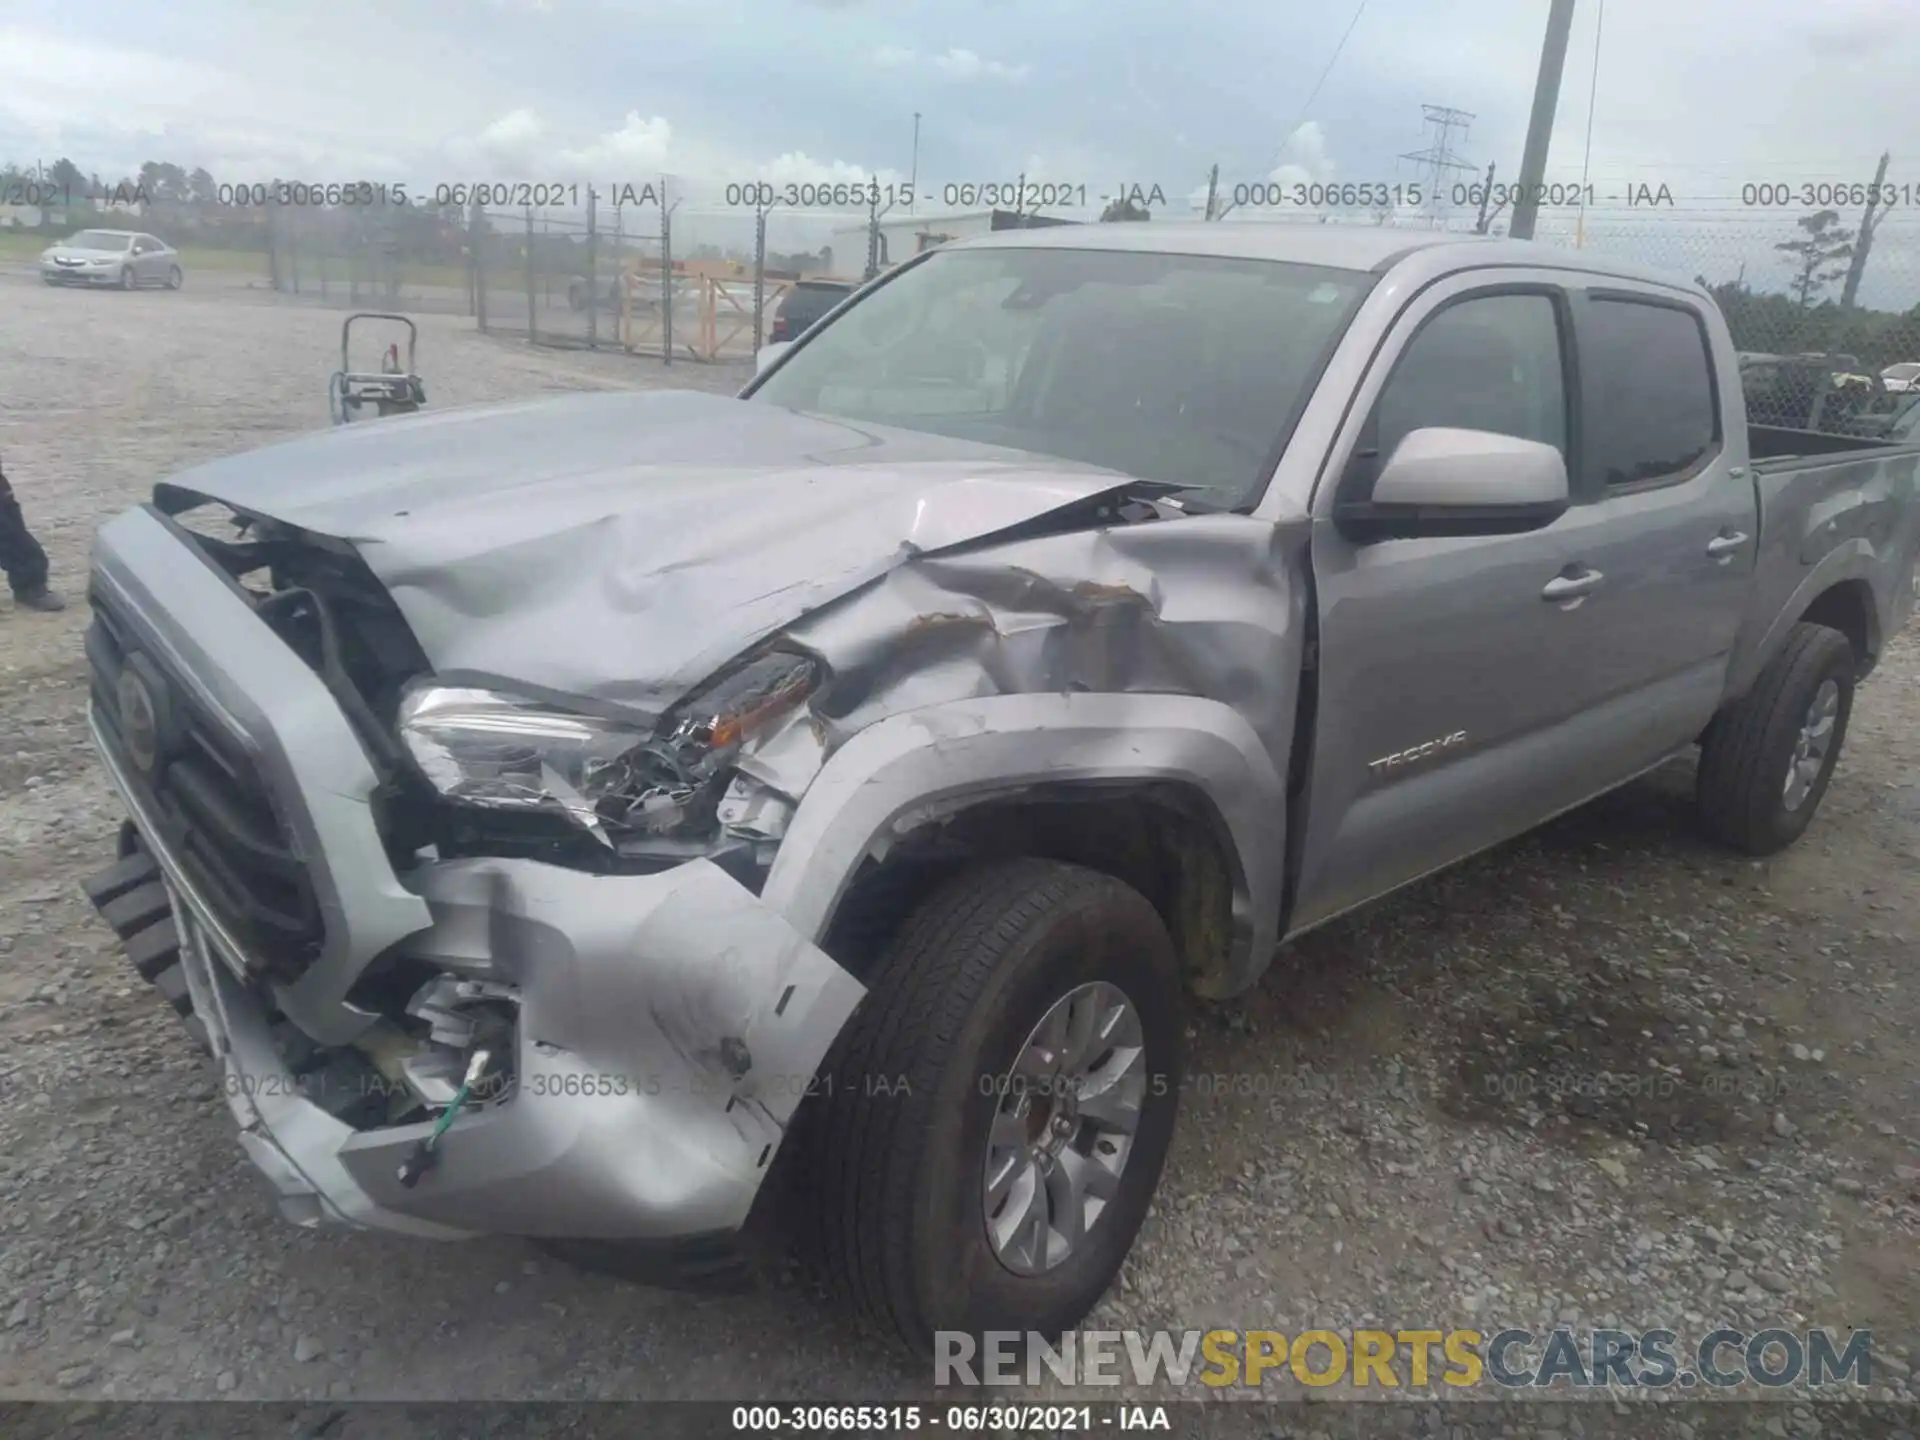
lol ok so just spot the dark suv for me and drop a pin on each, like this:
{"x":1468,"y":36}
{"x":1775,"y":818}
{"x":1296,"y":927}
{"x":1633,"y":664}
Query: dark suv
{"x":805,"y":303}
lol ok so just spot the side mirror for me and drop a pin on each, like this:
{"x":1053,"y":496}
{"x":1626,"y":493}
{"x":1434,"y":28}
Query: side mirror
{"x":766,"y":355}
{"x":1441,"y":481}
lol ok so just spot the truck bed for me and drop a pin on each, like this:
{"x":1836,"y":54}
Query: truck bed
{"x":1833,"y":509}
{"x":1779,"y":447}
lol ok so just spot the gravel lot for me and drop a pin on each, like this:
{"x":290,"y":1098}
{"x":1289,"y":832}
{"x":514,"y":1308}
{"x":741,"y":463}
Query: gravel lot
{"x":1409,"y":1121}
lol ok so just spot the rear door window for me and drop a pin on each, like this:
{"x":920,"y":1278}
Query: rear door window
{"x":1651,"y":412}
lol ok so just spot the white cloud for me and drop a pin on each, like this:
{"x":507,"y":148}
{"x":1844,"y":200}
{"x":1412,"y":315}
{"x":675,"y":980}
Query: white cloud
{"x":1852,"y":29}
{"x":1303,"y":157}
{"x":638,"y":148}
{"x":955,"y":63}
{"x":797,"y":168}
{"x":968,"y":65}
{"x":517,"y":130}
{"x":1303,"y":160}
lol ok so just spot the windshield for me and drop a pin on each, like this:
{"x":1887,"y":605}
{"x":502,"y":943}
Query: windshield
{"x":1186,"y":369}
{"x":98,"y":240}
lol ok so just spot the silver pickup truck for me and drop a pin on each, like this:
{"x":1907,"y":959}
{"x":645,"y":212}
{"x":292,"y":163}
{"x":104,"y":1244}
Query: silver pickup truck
{"x":664,"y":824}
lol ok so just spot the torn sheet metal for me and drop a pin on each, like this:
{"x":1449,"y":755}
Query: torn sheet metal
{"x":1205,"y":605}
{"x":668,"y":1027}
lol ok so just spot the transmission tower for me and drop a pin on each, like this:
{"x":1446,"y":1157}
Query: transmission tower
{"x":1441,"y":164}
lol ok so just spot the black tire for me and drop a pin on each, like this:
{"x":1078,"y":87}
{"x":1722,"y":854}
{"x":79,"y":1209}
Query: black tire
{"x":127,"y":278}
{"x":898,"y":1143}
{"x":1741,"y":783}
{"x":175,"y":279}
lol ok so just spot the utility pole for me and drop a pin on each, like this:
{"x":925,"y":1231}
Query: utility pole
{"x":1546,"y":99}
{"x":1213,"y":189}
{"x":1486,"y":198}
{"x":1857,"y":266}
{"x":913,"y":175}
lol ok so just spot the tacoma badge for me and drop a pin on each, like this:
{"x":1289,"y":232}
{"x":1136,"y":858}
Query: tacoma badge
{"x":1416,"y":752}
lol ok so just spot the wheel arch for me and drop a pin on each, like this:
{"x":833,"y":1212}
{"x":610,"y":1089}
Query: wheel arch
{"x":1175,"y":795}
{"x":1838,"y":593}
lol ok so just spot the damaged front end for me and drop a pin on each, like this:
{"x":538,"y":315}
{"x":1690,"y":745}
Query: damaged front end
{"x":640,"y":790}
{"x":492,"y":835}
{"x":471,"y":961}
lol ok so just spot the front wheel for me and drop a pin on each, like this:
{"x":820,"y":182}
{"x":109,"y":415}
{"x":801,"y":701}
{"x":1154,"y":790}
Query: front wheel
{"x":999,"y":1110}
{"x":127,"y":280}
{"x":1768,"y":758}
{"x":175,"y":279}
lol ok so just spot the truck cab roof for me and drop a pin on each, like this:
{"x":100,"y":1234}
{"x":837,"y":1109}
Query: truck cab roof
{"x":1374,"y":249}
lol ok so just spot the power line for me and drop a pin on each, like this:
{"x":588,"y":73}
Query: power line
{"x":1314,"y":94}
{"x":1593,"y":92}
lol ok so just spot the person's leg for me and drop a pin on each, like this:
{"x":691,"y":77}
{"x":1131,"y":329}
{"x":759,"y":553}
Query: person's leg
{"x":21,"y":557}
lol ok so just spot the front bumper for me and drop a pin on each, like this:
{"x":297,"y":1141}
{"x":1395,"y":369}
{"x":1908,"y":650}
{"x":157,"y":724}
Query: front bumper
{"x":76,"y":275}
{"x":667,"y":1027}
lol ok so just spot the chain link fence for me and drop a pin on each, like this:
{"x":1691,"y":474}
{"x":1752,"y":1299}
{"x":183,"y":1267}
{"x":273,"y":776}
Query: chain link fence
{"x":1828,"y":328}
{"x":388,"y":257}
{"x":613,"y":277}
{"x":1822,"y":298}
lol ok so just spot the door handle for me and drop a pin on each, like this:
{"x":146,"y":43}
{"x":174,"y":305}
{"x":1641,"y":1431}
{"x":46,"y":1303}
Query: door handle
{"x":1572,"y":587}
{"x":1722,"y":546}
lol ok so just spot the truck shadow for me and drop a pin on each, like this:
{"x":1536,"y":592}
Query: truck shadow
{"x":1579,"y":981}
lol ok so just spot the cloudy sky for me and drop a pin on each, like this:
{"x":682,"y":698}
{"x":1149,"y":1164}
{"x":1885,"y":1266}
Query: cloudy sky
{"x":1700,"y":96}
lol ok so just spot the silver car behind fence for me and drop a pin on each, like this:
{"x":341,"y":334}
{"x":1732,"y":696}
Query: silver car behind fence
{"x":113,"y":259}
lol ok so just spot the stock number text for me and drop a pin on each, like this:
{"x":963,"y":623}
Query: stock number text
{"x":837,"y":195}
{"x":1349,"y":194}
{"x":1819,"y":194}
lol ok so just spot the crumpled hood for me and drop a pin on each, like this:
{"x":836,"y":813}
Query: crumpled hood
{"x":623,"y":546}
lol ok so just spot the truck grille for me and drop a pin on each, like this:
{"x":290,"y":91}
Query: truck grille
{"x":212,"y":804}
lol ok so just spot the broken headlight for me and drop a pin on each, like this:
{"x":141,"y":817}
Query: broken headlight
{"x":502,"y":751}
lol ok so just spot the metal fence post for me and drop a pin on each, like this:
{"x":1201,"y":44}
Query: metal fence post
{"x":593,"y":271}
{"x":759,"y":274}
{"x":533,"y":328}
{"x":476,"y":271}
{"x":666,"y":275}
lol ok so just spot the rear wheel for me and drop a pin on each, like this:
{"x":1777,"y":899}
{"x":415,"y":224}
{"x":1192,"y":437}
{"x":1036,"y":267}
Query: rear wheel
{"x":998,"y":1112}
{"x":1767,"y":760}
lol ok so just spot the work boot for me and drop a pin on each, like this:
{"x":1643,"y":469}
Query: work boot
{"x":41,"y":599}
